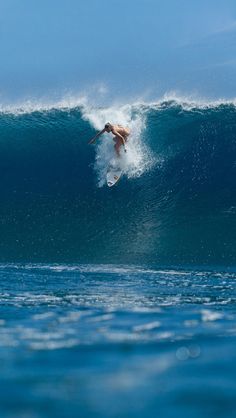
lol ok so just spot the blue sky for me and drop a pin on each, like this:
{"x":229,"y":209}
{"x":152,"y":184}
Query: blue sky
{"x":131,"y":46}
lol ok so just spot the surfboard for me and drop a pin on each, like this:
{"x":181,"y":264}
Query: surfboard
{"x":114,"y":174}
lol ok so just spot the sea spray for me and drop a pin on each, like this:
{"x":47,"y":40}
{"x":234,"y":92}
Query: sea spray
{"x":138,"y":157}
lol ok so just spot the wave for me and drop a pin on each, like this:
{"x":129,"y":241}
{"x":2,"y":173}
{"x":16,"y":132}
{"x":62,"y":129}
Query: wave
{"x":174,"y":205}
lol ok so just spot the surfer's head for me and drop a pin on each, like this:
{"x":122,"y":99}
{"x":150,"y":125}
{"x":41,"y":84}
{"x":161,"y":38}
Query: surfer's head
{"x":108,"y":127}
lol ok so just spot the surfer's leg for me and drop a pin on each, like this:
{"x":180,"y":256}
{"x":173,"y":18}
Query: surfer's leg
{"x":117,"y":146}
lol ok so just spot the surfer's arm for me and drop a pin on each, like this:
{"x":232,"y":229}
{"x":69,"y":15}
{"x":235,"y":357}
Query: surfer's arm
{"x":96,"y":136}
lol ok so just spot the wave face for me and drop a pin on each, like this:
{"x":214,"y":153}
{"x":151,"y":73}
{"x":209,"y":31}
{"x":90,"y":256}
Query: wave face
{"x":174,"y":205}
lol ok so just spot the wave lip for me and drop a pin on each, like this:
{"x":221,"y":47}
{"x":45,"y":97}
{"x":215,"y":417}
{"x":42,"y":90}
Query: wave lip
{"x":115,"y":110}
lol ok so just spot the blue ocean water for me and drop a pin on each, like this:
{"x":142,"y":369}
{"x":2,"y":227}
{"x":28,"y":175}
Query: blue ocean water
{"x":116,"y":341}
{"x":118,"y":302}
{"x":175,"y":204}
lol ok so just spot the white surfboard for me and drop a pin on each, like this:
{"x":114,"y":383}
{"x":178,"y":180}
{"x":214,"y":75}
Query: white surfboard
{"x":114,"y":174}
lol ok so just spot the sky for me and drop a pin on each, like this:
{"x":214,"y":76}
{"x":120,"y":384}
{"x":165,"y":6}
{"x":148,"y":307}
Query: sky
{"x":117,"y":48}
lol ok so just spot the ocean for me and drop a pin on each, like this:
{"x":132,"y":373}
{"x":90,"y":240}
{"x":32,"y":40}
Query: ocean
{"x":175,"y":204}
{"x":118,"y":302}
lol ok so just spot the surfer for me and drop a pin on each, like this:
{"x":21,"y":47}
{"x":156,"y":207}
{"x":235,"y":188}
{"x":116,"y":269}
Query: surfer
{"x":120,"y":136}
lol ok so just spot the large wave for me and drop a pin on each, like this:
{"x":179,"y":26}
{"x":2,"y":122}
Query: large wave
{"x":174,"y":205}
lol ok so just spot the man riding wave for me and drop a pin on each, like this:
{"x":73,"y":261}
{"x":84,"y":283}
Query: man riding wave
{"x":120,"y":136}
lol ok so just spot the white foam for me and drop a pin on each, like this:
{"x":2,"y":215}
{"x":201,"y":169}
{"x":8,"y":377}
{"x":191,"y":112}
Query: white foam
{"x":147,"y":327}
{"x":138,"y":158}
{"x":105,"y":317}
{"x":208,"y":316}
{"x":43,"y":105}
{"x":54,"y":345}
{"x":99,"y":94}
{"x":186,"y":102}
{"x":43,"y":316}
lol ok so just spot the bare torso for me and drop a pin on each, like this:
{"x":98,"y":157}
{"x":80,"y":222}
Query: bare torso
{"x":121,"y":130}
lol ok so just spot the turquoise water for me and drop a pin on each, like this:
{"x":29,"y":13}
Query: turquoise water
{"x":175,"y":204}
{"x":116,"y":341}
